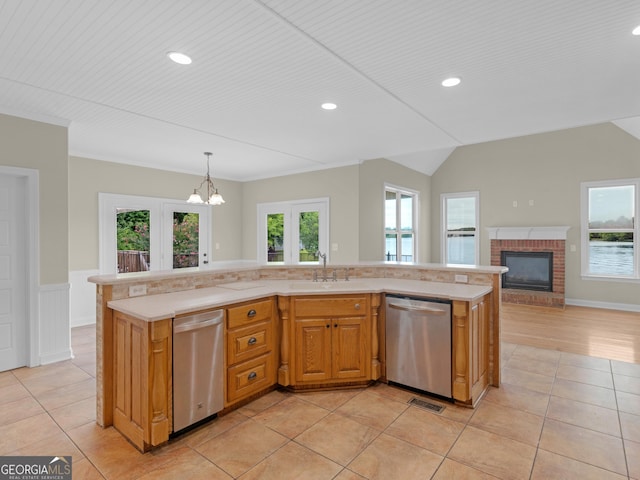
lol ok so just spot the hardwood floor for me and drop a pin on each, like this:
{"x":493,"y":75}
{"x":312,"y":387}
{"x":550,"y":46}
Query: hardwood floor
{"x":596,"y":332}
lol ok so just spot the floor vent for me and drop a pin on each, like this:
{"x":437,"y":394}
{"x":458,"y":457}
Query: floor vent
{"x":432,"y":407}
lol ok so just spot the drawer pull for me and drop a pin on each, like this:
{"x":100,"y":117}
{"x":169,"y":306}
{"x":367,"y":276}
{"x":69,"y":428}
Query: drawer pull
{"x":357,"y":306}
{"x":252,"y":376}
{"x":252,"y":341}
{"x":251,"y":313}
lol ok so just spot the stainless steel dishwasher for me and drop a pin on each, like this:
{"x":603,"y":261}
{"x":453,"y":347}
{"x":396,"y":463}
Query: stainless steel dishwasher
{"x":198,"y":362}
{"x":418,"y":343}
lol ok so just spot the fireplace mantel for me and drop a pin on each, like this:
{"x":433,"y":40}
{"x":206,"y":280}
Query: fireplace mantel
{"x":528,"y":233}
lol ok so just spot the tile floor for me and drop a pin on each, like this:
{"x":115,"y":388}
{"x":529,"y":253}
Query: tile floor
{"x":556,"y":416}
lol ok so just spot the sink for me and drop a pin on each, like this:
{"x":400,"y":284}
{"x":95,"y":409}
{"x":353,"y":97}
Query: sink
{"x":328,"y":285}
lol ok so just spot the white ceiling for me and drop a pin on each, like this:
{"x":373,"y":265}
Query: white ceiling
{"x":261,"y":69}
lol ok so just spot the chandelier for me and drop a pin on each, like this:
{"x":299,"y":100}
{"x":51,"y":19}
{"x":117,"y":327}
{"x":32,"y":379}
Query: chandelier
{"x":213,"y":197}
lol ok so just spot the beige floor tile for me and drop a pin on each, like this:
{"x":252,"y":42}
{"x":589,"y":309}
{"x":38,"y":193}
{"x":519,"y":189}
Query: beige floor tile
{"x":112,"y":454}
{"x":493,"y":454}
{"x":338,"y":438}
{"x":59,"y":397}
{"x":211,"y":429}
{"x":515,"y":424}
{"x":603,"y":397}
{"x":84,"y":469}
{"x":186,"y":464}
{"x":518,"y":398}
{"x":628,"y":402}
{"x":627,"y":384}
{"x":327,"y":399}
{"x":551,"y":466}
{"x":58,"y":379}
{"x":347,"y":474}
{"x":585,"y":415}
{"x":632,"y":450}
{"x":50,"y":370}
{"x":584,"y":361}
{"x":264,"y":402}
{"x":389,"y":458}
{"x":7,"y":378}
{"x":12,"y":392}
{"x":20,"y":434}
{"x":533,"y":366}
{"x":394,"y":392}
{"x":451,"y":469}
{"x":75,"y":414}
{"x":455,"y":412}
{"x":291,"y":417}
{"x":625,"y":368}
{"x":19,"y":409}
{"x":55,"y":444}
{"x":588,"y":446}
{"x":242,"y":447}
{"x":372,"y":410}
{"x":528,"y":380}
{"x":426,"y":430}
{"x":535,"y":353}
{"x":630,"y":425}
{"x":585,"y":375}
{"x":293,"y":462}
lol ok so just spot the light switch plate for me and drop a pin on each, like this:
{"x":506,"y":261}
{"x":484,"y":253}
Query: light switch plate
{"x":461,"y":279}
{"x":137,"y":290}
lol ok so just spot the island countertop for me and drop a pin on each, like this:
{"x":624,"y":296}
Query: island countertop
{"x":168,"y":305}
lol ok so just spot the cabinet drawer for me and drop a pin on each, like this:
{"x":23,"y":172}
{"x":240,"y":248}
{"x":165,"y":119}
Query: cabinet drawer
{"x":249,"y":313}
{"x":331,"y":307}
{"x":250,"y":377}
{"x":248,"y":342}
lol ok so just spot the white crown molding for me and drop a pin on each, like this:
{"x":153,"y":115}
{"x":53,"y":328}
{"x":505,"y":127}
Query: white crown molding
{"x":528,"y":233}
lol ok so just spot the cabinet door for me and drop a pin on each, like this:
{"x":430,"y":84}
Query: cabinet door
{"x":312,"y":350}
{"x":349,"y":343}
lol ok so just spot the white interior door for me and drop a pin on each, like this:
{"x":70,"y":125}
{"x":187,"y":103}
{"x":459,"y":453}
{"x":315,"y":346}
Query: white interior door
{"x":13,"y":288}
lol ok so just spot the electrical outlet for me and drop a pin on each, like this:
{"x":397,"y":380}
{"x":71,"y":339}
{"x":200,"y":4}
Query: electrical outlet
{"x":461,"y":279}
{"x":137,"y":290}
{"x":334,"y":247}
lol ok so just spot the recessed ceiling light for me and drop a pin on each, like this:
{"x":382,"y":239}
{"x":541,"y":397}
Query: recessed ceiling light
{"x":180,"y":58}
{"x":329,"y":106}
{"x":636,"y":31}
{"x":451,"y":82}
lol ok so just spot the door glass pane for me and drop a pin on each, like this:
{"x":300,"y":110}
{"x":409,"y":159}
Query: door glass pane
{"x":186,"y":239}
{"x":406,"y":212}
{"x":390,"y":211}
{"x":275,"y":237}
{"x":132,"y":233}
{"x":407,"y":247}
{"x":308,"y":236}
{"x":391,"y":242}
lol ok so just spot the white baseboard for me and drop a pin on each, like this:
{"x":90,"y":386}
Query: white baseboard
{"x":627,"y":307}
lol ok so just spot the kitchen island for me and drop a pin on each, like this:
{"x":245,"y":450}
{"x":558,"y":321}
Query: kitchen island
{"x":135,"y":390}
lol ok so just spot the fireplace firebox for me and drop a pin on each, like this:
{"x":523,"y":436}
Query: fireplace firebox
{"x":528,"y":270}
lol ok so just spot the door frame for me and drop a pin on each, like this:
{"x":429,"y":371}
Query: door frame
{"x":32,"y":242}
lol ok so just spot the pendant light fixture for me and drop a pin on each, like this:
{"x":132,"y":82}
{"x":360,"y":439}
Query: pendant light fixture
{"x":213,"y":197}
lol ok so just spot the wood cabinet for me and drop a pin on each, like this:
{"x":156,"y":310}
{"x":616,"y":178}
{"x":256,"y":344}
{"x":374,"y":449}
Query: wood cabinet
{"x":142,"y":393}
{"x":250,"y":352}
{"x":471,"y":359}
{"x":332,"y":340}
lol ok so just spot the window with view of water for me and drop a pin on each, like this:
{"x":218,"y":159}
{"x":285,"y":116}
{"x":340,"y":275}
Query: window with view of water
{"x":399,"y":221}
{"x":459,"y":241}
{"x":609,"y":229}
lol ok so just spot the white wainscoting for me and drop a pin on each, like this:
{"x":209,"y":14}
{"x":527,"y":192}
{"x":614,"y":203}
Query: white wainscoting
{"x":55,"y":333}
{"x":82,"y":298}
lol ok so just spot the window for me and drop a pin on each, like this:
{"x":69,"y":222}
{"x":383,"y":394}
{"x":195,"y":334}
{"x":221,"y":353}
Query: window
{"x":460,"y":222}
{"x":143,"y":233}
{"x":609,"y":230}
{"x":400,"y":213}
{"x":293,"y":232}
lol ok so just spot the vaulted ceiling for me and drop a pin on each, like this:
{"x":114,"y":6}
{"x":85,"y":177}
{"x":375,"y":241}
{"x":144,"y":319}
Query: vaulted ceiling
{"x":262,"y":68}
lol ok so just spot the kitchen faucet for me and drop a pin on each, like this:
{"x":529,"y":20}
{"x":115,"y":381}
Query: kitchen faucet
{"x":323,"y":256}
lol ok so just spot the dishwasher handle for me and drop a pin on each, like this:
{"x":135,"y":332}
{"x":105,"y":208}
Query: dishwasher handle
{"x":197,"y":325}
{"x":417,"y":308}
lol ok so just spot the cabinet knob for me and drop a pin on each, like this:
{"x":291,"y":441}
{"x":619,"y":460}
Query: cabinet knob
{"x":357,"y":306}
{"x":328,"y":325}
{"x":335,"y":325}
{"x":252,"y":376}
{"x":252,"y":341}
{"x":251,"y":313}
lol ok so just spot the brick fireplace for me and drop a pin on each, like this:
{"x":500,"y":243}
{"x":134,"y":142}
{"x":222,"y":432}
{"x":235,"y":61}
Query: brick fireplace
{"x":532,"y":239}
